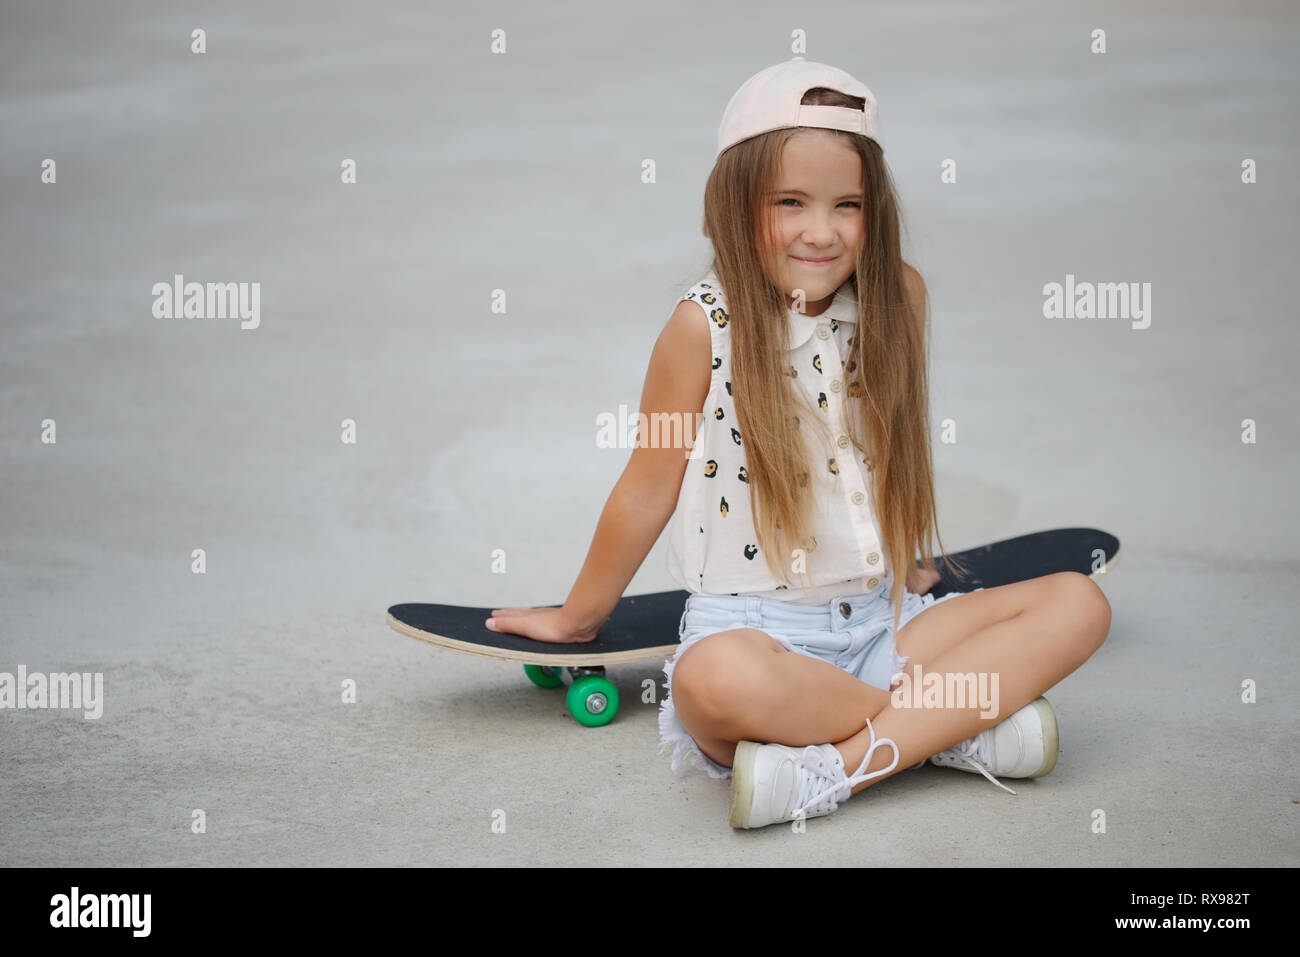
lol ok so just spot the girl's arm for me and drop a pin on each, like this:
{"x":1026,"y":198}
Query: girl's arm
{"x":645,"y":496}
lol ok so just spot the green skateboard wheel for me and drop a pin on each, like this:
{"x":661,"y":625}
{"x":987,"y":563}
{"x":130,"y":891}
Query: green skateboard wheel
{"x":544,"y":676}
{"x":593,"y":700}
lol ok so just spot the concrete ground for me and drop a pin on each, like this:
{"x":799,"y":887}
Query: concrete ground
{"x":475,"y":431}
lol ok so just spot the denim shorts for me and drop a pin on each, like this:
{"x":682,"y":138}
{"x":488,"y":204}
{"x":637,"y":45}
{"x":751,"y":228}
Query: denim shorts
{"x":853,"y":632}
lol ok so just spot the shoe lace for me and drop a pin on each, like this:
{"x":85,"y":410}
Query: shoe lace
{"x":815,"y":795}
{"x":972,"y":752}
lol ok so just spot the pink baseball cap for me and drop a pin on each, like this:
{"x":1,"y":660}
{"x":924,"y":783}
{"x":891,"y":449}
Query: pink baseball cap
{"x":769,"y":100}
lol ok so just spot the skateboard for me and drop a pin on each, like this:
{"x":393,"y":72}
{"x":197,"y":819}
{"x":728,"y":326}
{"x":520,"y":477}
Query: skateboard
{"x":645,"y":627}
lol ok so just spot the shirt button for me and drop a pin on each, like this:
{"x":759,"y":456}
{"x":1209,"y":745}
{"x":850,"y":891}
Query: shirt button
{"x":823,"y":332}
{"x":858,"y":498}
{"x":873,"y":583}
{"x":835,"y":385}
{"x":845,"y":610}
{"x":873,"y":558}
{"x":842,"y":441}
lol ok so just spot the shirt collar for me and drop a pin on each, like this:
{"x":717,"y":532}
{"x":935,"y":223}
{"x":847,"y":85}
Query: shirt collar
{"x":843,"y":308}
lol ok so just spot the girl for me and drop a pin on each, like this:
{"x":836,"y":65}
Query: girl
{"x":809,"y":488}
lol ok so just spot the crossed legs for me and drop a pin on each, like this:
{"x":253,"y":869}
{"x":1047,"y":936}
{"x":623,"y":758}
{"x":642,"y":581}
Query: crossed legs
{"x":741,"y":685}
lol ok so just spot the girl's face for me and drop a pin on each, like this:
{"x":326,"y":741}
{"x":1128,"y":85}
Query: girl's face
{"x":816,"y":218}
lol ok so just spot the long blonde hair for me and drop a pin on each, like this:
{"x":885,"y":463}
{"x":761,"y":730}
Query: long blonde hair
{"x":885,"y":367}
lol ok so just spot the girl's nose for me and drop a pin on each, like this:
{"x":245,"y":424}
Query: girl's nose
{"x":818,"y":233}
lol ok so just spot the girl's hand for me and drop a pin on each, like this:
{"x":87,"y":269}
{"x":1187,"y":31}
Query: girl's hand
{"x":921,"y":580}
{"x":541,"y":624}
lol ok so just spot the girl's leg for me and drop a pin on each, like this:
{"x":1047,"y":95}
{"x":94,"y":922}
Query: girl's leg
{"x":740,"y":685}
{"x":1066,"y":621}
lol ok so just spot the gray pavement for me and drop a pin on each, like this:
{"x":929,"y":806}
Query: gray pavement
{"x":475,"y":431}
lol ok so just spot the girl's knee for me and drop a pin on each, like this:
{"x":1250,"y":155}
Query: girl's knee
{"x":721,"y":671}
{"x":1088,"y":610}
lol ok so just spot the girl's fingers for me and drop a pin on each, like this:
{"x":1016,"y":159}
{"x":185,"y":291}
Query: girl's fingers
{"x":512,"y":621}
{"x":532,"y":623}
{"x":511,"y":626}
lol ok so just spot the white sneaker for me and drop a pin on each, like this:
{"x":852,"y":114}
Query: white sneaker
{"x":1025,"y":745}
{"x":773,"y":782}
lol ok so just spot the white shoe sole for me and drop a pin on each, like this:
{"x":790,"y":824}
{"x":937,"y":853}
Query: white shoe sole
{"x":742,"y":783}
{"x":1051,"y":736}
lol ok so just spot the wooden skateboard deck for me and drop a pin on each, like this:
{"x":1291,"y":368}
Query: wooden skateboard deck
{"x":644,"y":627}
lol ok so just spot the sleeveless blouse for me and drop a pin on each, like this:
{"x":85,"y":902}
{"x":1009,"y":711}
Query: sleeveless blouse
{"x":712,"y":546}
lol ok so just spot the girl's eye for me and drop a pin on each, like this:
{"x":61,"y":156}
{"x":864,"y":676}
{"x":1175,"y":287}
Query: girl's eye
{"x":847,"y":202}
